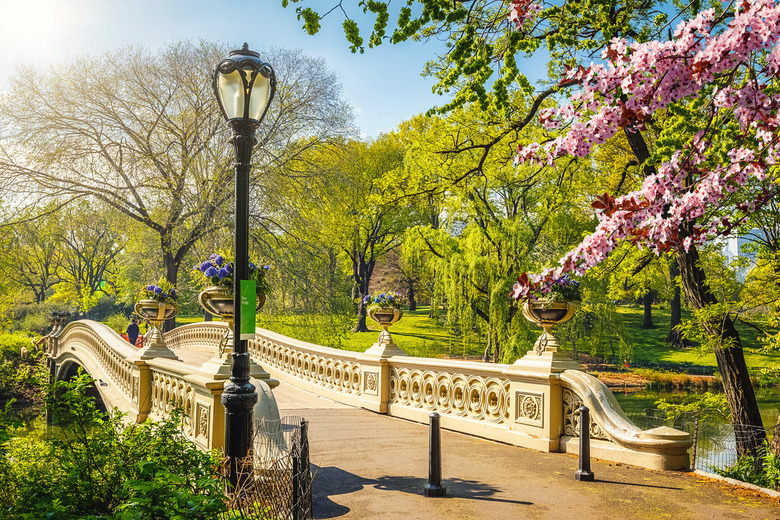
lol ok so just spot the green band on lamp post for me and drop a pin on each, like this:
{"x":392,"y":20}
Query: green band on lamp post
{"x":248,"y":308}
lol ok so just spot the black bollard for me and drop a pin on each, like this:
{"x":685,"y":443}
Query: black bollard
{"x":434,"y":487}
{"x":584,"y":473}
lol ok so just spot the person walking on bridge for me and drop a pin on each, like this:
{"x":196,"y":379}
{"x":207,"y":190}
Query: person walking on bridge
{"x":132,"y":331}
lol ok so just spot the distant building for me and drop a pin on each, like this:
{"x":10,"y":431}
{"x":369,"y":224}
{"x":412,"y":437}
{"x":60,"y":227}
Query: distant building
{"x":734,"y":249}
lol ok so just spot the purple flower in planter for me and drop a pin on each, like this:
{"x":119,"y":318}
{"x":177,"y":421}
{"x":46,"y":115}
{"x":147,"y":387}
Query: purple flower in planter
{"x":204,"y":266}
{"x":211,"y":272}
{"x":219,"y":260}
{"x":222,"y":273}
{"x":157,"y":290}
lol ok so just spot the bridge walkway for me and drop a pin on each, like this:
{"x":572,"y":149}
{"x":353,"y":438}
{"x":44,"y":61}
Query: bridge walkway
{"x":195,"y":357}
{"x":372,"y":466}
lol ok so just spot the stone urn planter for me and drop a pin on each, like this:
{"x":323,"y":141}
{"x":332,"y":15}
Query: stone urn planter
{"x":385,"y":316}
{"x":548,"y":315}
{"x":218,"y":301}
{"x":156,"y":312}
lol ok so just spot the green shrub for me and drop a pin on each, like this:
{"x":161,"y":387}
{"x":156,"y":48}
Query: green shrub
{"x":101,"y":467}
{"x":762,"y":470}
{"x":11,"y":345}
{"x":118,"y":322}
{"x":9,"y":382}
{"x":19,"y":378}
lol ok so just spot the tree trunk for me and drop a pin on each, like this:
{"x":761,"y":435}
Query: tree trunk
{"x":362,"y":270}
{"x":745,"y":415}
{"x":361,"y":326}
{"x":647,"y":301}
{"x":412,"y":300}
{"x":675,"y":336}
{"x":486,"y":353}
{"x":171,"y":270}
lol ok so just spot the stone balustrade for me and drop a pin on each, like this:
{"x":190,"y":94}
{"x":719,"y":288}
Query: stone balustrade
{"x":141,"y":385}
{"x":532,"y":403}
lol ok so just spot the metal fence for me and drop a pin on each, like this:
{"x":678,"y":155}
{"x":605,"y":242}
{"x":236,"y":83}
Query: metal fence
{"x":714,"y":442}
{"x":276,"y":483}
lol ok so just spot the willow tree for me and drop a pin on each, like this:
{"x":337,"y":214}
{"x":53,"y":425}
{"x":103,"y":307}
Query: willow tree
{"x":494,"y":220}
{"x":144,"y":136}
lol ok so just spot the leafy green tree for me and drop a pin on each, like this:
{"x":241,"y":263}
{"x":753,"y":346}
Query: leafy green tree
{"x":492,"y":220}
{"x":35,"y":254}
{"x":366,"y":226}
{"x":93,"y":243}
{"x":145,"y":137}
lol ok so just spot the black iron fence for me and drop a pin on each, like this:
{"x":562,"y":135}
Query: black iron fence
{"x":714,"y":442}
{"x":276,"y":480}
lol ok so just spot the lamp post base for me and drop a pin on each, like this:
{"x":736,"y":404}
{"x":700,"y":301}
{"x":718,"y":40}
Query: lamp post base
{"x":239,"y":401}
{"x":435,"y":491}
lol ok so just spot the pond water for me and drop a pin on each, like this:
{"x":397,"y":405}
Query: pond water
{"x":715,"y":444}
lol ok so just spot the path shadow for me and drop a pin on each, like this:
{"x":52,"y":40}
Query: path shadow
{"x":456,"y":488}
{"x":331,"y":481}
{"x":639,"y":485}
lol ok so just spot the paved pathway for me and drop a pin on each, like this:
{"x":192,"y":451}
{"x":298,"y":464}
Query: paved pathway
{"x":370,"y":466}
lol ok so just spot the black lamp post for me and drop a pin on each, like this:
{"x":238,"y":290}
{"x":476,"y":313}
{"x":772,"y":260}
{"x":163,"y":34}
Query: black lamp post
{"x":244,"y":86}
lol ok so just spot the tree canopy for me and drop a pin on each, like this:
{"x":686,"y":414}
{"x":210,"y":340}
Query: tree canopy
{"x":145,"y":136}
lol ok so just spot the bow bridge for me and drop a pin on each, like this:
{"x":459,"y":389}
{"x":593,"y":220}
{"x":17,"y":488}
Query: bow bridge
{"x":533,"y":403}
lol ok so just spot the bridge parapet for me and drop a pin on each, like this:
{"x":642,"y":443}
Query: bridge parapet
{"x":532,"y":403}
{"x":340,"y":375}
{"x":144,"y":386}
{"x":196,"y":335}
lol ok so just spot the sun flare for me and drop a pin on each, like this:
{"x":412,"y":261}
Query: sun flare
{"x":30,"y":27}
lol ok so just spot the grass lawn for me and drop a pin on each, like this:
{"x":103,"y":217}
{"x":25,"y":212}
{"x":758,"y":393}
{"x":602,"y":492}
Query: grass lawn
{"x":650,"y":345}
{"x":421,"y":336}
{"x":418,"y":335}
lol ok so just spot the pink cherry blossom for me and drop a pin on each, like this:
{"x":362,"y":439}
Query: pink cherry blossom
{"x":638,"y":80}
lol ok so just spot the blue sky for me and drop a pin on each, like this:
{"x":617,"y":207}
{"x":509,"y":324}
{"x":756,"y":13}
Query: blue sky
{"x":383,"y":85}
